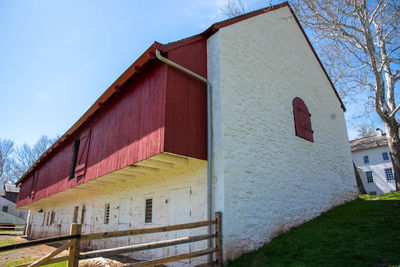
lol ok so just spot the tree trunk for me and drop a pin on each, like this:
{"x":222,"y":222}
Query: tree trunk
{"x":392,"y":134}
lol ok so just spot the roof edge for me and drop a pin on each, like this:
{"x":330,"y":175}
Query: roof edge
{"x":111,"y":90}
{"x":317,"y":57}
{"x":149,"y":55}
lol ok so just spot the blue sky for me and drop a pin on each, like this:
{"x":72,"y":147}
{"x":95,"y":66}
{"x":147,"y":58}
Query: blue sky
{"x":57,"y":57}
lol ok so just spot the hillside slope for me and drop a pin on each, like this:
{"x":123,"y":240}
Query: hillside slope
{"x":364,"y":232}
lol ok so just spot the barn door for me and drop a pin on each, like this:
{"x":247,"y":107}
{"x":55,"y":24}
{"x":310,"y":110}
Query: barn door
{"x":124,"y":217}
{"x":179,"y":212}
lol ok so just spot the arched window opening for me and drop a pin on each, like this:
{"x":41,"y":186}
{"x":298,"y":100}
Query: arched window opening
{"x":302,"y":120}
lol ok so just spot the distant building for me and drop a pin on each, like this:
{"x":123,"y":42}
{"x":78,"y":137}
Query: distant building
{"x":9,"y":214}
{"x":372,"y":159}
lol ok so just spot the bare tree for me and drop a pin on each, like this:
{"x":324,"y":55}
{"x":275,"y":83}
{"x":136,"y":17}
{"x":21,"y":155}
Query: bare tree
{"x":233,"y":8}
{"x":367,"y":34}
{"x":6,"y":150}
{"x":359,"y":44}
{"x":25,"y":156}
{"x":366,"y":130}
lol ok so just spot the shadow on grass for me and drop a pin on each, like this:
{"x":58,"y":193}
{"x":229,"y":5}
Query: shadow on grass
{"x":364,"y":232}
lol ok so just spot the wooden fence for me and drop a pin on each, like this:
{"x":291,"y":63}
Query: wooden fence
{"x":75,"y":237}
{"x":12,"y":226}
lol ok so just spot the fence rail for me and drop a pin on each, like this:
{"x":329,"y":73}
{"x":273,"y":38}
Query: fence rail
{"x":11,"y":226}
{"x":75,"y":237}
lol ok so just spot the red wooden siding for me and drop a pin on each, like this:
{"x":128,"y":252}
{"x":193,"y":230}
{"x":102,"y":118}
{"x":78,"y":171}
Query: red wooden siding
{"x":149,"y":114}
{"x":186,"y":108}
{"x":302,"y":120}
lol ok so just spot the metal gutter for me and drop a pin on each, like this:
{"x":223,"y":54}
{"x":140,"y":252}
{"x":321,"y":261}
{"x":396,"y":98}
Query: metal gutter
{"x":209,"y":132}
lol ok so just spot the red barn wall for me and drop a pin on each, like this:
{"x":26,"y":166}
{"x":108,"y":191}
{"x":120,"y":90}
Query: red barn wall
{"x":159,"y":110}
{"x":129,"y":128}
{"x":186,"y":108}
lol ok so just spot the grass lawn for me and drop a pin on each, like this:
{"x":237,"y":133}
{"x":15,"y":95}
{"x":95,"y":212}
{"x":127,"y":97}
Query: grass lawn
{"x":11,"y":232}
{"x":6,"y":242}
{"x":364,"y":232}
{"x":20,"y":261}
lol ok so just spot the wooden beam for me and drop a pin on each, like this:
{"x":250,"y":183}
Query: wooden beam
{"x":146,"y":230}
{"x":142,"y":169}
{"x":171,"y":158}
{"x":155,"y":164}
{"x":74,"y":249}
{"x":38,"y":242}
{"x":218,"y":240}
{"x":144,"y":246}
{"x":173,"y":258}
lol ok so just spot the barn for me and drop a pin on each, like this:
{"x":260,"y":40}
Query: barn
{"x":241,"y":119}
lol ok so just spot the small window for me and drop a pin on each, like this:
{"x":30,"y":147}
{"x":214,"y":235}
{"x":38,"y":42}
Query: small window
{"x":385,"y":156}
{"x":53,"y":215}
{"x":148,"y":218}
{"x":366,"y":159}
{"x":75,"y":218}
{"x":5,"y":208}
{"x":44,"y":218}
{"x":74,"y":159}
{"x":389,"y":174}
{"x":370,"y":177}
{"x":302,"y":120}
{"x":106,"y":213}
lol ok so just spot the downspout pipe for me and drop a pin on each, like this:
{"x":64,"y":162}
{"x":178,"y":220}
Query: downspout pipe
{"x":209,"y":131}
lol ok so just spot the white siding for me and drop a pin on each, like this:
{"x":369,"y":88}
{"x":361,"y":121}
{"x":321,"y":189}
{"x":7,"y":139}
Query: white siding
{"x":266,"y":179}
{"x":127,"y":207}
{"x":12,"y":210}
{"x":377,"y":165}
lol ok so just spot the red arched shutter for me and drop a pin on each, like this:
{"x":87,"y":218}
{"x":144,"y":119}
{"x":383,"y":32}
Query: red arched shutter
{"x":302,"y":121}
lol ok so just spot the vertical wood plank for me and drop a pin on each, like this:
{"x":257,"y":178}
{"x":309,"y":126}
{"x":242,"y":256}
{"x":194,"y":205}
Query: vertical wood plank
{"x":218,"y":240}
{"x":74,"y":250}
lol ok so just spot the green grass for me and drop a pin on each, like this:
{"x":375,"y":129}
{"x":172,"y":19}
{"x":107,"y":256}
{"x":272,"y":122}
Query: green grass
{"x":6,"y":242}
{"x":21,"y":260}
{"x":364,"y":232}
{"x":58,"y":264}
{"x":11,"y":232}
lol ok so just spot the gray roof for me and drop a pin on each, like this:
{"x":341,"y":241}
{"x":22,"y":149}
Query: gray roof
{"x":11,"y":188}
{"x":368,"y":142}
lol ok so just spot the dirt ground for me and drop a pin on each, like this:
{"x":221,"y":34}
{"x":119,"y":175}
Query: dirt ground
{"x":37,"y":252}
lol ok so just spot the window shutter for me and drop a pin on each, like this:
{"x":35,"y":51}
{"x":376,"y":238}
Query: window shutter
{"x":80,"y":169}
{"x":302,"y":120}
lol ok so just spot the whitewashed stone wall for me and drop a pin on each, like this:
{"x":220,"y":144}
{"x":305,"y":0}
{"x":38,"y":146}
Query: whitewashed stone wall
{"x":179,"y":196}
{"x":266,"y":179}
{"x":377,"y":165}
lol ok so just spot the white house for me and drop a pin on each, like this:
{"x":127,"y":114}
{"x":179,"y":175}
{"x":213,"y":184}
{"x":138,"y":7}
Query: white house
{"x":9,"y":214}
{"x":372,"y":158}
{"x":275,"y":154}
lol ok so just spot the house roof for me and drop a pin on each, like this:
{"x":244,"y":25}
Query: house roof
{"x":368,"y":142}
{"x":148,"y":55}
{"x":11,"y":188}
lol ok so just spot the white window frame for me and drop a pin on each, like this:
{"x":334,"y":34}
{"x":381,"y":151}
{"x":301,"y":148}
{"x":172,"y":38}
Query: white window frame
{"x":372,"y":177}
{"x":391,"y":172}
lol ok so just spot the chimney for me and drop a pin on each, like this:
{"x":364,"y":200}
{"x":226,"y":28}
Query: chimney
{"x":378,"y":132}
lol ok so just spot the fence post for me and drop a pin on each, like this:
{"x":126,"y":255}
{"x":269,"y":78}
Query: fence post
{"x":218,"y":239}
{"x":74,"y":250}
